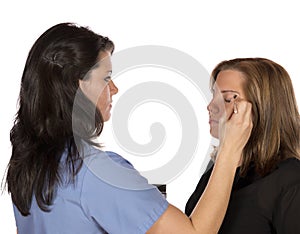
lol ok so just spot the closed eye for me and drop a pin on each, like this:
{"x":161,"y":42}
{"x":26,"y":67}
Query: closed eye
{"x":107,"y":79}
{"x":228,"y":100}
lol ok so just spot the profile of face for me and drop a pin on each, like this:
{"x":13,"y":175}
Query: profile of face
{"x":98,"y":85}
{"x":228,"y":85}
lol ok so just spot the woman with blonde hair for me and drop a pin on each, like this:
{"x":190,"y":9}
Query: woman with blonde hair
{"x":266,"y":192}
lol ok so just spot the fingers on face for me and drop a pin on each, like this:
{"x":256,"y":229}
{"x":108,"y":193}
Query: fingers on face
{"x":244,"y":112}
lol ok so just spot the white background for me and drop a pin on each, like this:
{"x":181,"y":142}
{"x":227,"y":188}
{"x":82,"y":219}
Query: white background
{"x":210,"y":31}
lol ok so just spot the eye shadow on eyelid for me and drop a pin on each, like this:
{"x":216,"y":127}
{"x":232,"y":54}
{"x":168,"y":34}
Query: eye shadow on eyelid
{"x":229,"y":100}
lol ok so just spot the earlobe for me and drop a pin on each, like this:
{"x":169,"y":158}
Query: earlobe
{"x":80,"y":82}
{"x":83,"y":85}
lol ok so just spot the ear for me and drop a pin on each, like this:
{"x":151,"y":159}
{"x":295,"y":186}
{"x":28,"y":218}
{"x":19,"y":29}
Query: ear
{"x":84,"y":86}
{"x":80,"y":82}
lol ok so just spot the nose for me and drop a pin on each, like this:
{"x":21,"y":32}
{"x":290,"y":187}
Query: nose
{"x":113,"y":88}
{"x":212,"y":107}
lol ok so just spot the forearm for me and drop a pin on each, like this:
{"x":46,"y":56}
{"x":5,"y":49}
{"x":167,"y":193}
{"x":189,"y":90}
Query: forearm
{"x":211,"y":208}
{"x":208,"y":215}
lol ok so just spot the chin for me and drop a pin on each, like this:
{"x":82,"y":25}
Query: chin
{"x":106,"y":118}
{"x":214,"y":133}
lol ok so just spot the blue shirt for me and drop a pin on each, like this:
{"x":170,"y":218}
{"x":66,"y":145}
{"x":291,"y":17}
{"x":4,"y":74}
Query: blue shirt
{"x":108,"y":196}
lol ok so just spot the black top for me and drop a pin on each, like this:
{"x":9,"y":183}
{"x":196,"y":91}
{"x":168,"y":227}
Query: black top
{"x":260,"y":205}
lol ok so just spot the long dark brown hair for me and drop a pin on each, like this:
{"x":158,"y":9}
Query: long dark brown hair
{"x":43,"y":130}
{"x":275,"y":135}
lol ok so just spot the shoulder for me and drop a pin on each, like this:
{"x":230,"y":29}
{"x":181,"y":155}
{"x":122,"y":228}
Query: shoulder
{"x":291,"y":163}
{"x":111,"y":168}
{"x":119,"y":159}
{"x":287,"y":173}
{"x":286,"y":176}
{"x":91,"y":153}
{"x":112,"y":186}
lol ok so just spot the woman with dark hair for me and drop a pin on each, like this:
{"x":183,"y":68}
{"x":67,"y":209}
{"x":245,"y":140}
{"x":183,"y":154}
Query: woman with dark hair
{"x":266,"y":192}
{"x":59,"y":178}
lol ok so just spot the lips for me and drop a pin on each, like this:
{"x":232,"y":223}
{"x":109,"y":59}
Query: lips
{"x":213,"y":121}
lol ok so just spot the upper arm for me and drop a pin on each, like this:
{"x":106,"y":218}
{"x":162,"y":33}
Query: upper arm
{"x":121,"y":210}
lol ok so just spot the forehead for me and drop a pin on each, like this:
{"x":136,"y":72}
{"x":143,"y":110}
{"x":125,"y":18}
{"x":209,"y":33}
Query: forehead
{"x":105,"y":60}
{"x":102,"y":68}
{"x":230,"y":79}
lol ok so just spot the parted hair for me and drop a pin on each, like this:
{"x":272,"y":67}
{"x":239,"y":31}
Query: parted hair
{"x":44,"y":125}
{"x":275,"y":135}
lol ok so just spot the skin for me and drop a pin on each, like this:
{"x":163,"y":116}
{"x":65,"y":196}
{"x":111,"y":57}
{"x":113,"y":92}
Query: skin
{"x":208,"y":215}
{"x":228,"y":84}
{"x":99,"y":87}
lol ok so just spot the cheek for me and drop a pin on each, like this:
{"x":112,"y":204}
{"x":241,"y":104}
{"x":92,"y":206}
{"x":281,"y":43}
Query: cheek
{"x":100,"y":105}
{"x":103,"y":99}
{"x":93,"y":90}
{"x":228,"y":110}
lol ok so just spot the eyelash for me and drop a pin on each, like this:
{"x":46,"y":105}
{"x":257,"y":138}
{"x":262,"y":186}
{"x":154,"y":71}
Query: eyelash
{"x":107,"y":79}
{"x":229,"y":100}
{"x":226,"y":100}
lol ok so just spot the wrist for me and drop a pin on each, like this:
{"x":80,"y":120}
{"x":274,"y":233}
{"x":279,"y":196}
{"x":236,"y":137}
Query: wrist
{"x":228,"y":156}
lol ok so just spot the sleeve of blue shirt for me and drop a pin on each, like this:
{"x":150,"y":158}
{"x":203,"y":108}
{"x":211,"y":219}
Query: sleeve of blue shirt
{"x":117,"y":198}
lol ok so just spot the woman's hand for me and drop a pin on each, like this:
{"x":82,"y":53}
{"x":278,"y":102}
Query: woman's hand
{"x":235,"y":131}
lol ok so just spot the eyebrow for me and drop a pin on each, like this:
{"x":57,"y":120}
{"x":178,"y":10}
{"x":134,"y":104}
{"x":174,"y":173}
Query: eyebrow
{"x":229,"y":91}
